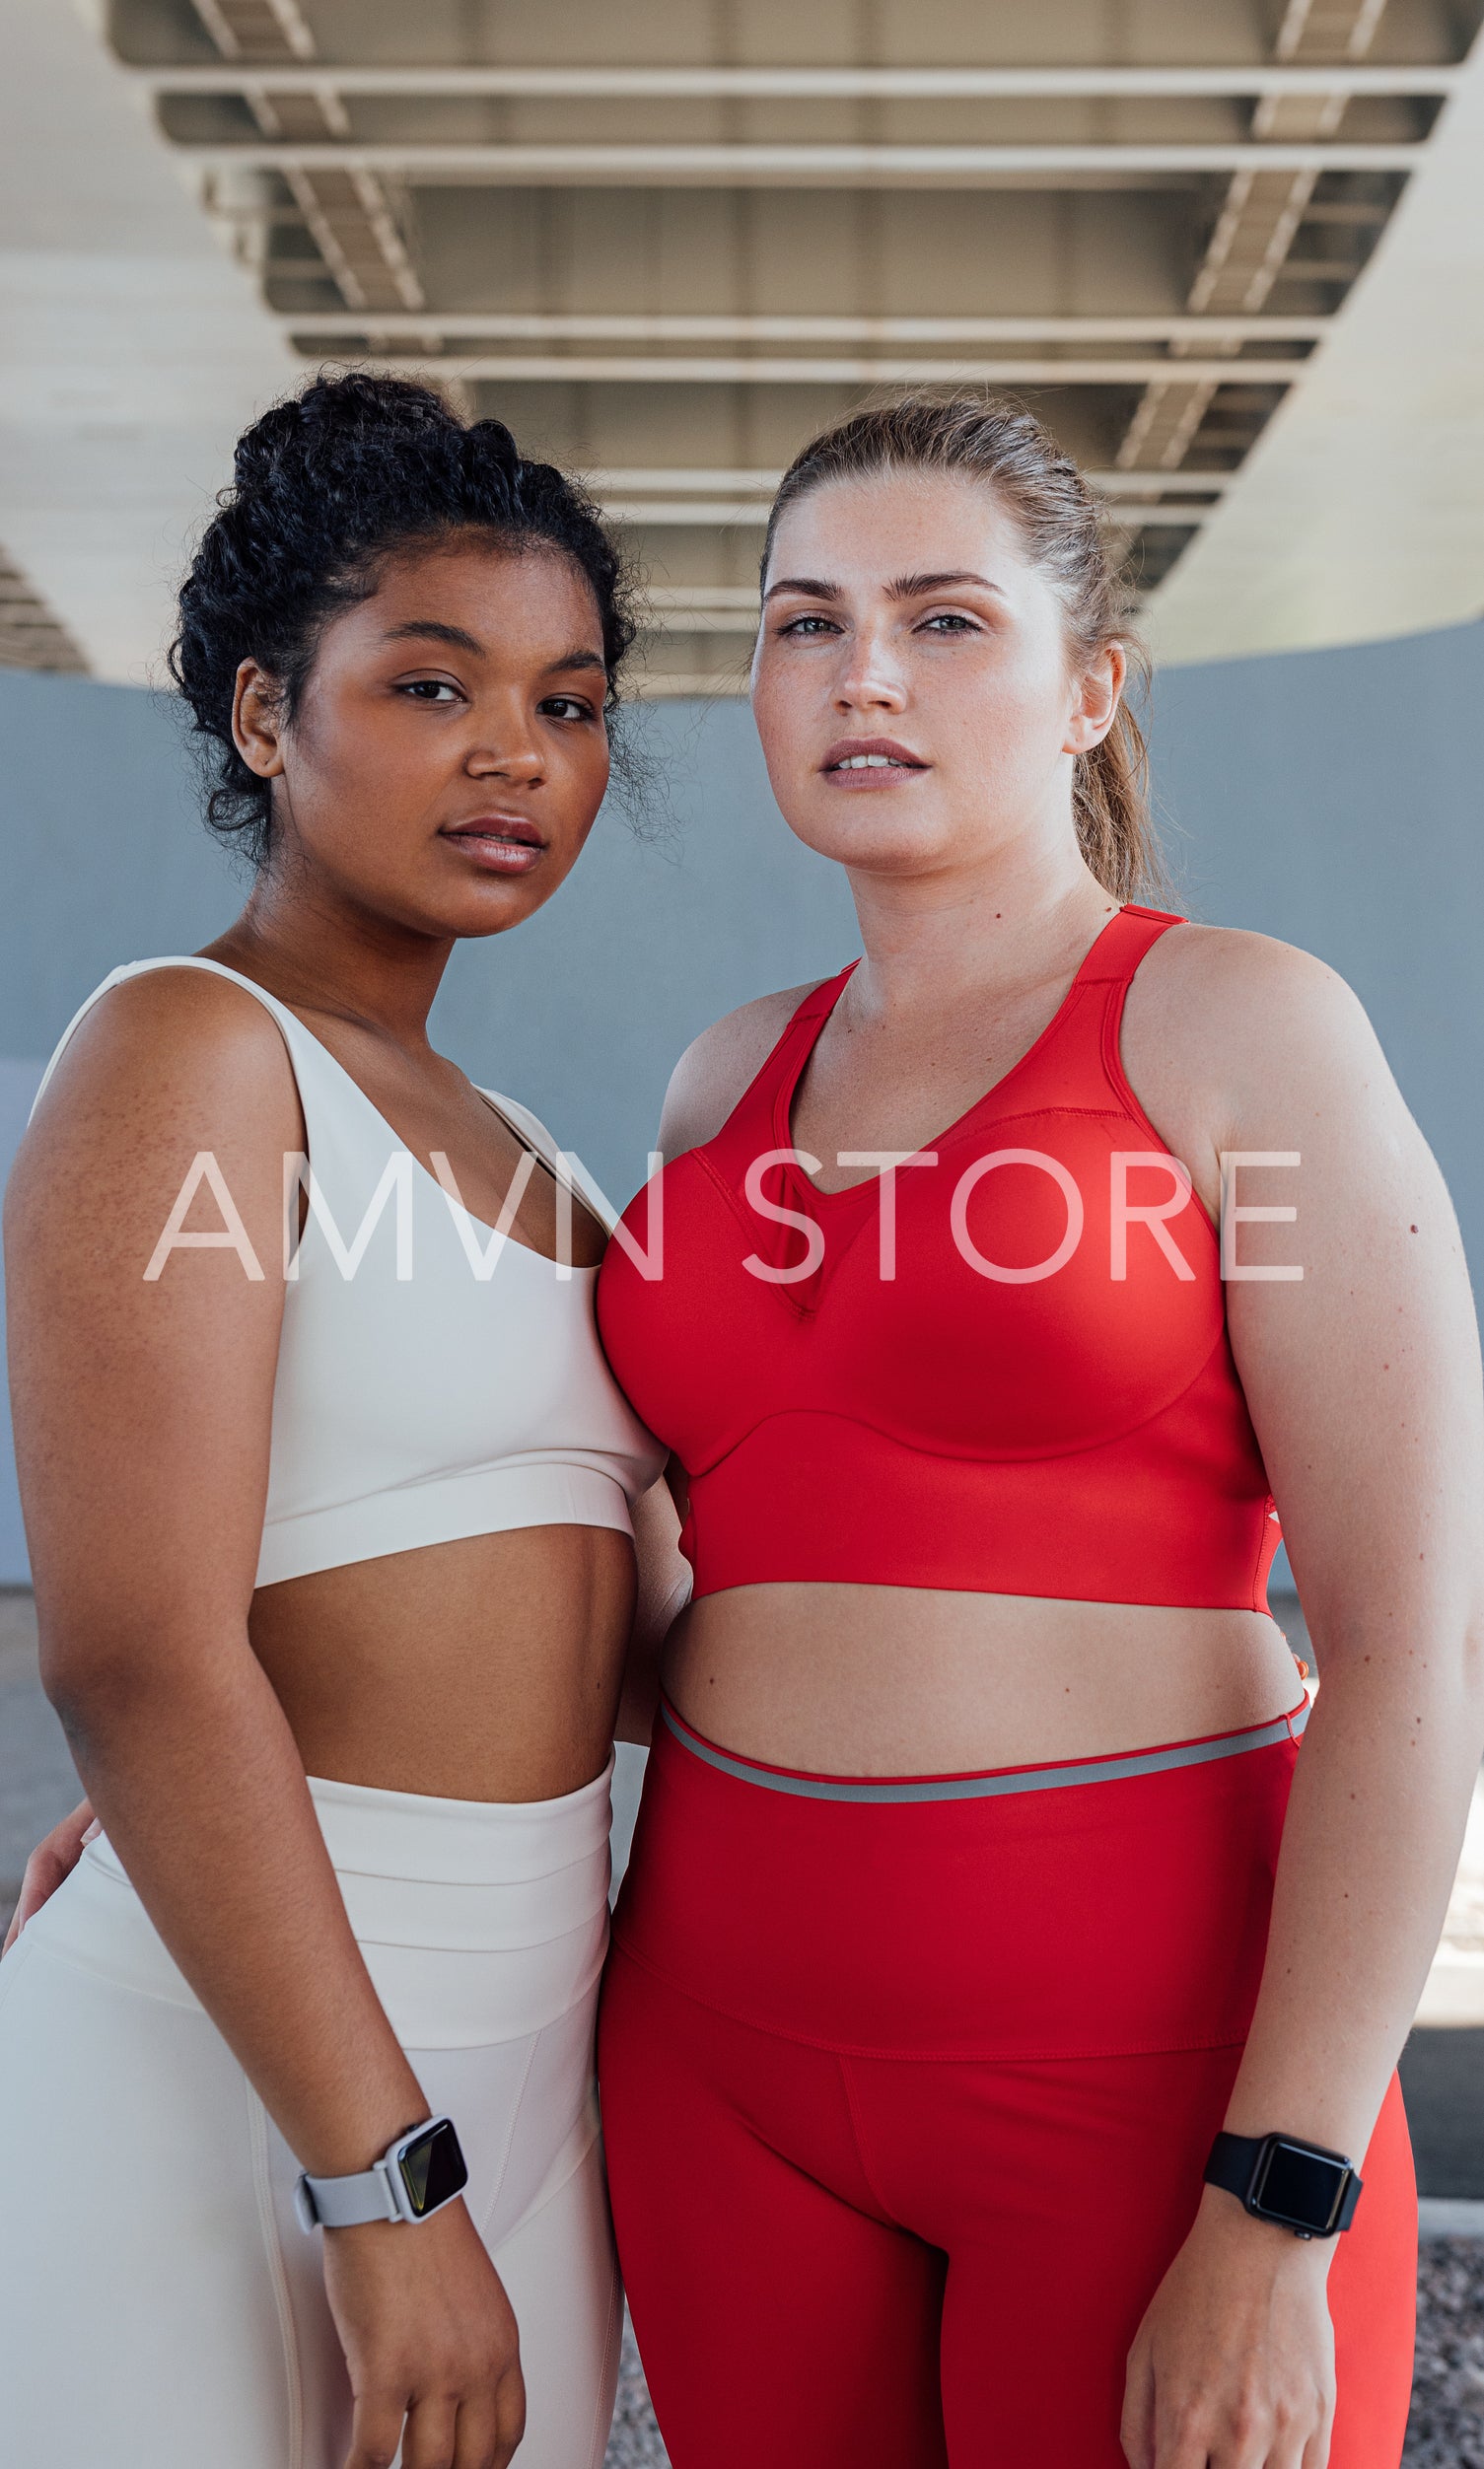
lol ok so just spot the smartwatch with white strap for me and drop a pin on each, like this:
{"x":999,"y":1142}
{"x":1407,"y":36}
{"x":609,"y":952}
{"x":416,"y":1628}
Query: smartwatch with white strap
{"x":415,"y":2176}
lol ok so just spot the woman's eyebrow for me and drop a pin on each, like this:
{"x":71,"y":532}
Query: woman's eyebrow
{"x":905,"y":587}
{"x":583,"y":656}
{"x":808,"y":584}
{"x":432,"y":631}
{"x":912,"y":587}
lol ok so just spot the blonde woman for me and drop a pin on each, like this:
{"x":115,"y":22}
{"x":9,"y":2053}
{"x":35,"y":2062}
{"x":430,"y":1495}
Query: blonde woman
{"x":998,"y":2045}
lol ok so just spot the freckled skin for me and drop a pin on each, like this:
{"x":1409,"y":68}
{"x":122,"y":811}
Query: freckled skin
{"x":975,"y":907}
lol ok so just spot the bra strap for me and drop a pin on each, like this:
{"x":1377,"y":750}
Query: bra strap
{"x":807,"y":1020}
{"x":821,"y":999}
{"x":1124,"y":943}
{"x":1132,"y":936}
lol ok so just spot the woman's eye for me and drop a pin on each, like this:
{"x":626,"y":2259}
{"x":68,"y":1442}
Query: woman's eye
{"x":950,"y":621}
{"x":809,"y":624}
{"x":430,"y":690}
{"x":566,"y":707}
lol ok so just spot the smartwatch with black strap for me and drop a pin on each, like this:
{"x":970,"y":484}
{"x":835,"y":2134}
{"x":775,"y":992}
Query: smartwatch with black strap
{"x":1297,"y":2186}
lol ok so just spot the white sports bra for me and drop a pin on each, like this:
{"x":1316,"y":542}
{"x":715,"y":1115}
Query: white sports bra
{"x":436,"y":1379}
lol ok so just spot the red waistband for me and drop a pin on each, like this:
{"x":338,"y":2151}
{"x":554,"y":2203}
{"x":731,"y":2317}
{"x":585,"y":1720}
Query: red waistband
{"x":989,"y":1782}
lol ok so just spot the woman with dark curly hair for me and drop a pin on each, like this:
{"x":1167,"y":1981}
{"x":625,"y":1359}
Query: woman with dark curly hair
{"x":330,"y":1499}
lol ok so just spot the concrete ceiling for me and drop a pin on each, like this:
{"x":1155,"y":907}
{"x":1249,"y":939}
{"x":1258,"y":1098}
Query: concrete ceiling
{"x":1230,"y":251}
{"x":132,"y":349}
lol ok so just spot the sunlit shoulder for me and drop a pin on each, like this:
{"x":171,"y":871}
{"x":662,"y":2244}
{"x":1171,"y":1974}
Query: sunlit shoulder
{"x":1246,"y":1022}
{"x":170,"y":1048}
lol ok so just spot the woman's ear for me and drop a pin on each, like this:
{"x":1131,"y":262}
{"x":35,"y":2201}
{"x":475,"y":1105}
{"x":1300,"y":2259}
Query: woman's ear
{"x":1098,"y":698}
{"x":255,"y":720}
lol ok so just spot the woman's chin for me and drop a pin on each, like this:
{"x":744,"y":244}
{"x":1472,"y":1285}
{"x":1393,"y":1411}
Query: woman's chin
{"x":878,"y":835}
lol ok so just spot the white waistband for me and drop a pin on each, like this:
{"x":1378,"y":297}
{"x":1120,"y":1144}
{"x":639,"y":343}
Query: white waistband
{"x":480,"y":1921}
{"x":412,"y":1835}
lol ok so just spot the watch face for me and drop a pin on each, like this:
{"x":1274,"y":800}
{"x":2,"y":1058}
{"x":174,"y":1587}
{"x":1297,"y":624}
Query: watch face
{"x":433,"y":2168}
{"x":1299,"y":2187}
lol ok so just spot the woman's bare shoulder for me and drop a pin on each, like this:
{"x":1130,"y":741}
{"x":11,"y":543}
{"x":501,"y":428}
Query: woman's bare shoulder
{"x":720,"y":1064}
{"x":1231,"y":958}
{"x":166,"y":1049}
{"x":1240,"y":1008}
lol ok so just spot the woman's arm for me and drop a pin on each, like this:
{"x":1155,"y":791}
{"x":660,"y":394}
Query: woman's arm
{"x":143,"y":1412}
{"x":703,"y":1088}
{"x":663,"y":1595}
{"x":1364,"y":1382}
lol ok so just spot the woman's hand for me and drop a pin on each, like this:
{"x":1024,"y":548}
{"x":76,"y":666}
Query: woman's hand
{"x":429,"y":2343}
{"x":1234,"y":2364}
{"x":55,"y":1857}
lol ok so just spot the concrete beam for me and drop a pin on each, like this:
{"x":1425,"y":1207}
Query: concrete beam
{"x":852,"y":84}
{"x":800,"y":167}
{"x":630,"y":368}
{"x":502,"y":325}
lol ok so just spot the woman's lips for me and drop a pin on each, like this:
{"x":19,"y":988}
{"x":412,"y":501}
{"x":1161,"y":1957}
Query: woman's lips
{"x":857,"y":763}
{"x":499,"y":844}
{"x":872,"y":776}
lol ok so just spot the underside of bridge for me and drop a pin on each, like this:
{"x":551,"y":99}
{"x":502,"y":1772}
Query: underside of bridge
{"x":666,"y":243}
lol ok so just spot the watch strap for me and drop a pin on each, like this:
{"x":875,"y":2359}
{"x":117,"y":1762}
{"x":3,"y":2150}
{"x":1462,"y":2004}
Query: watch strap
{"x":1349,"y":2200}
{"x":344,"y":2203}
{"x":1234,"y":2161}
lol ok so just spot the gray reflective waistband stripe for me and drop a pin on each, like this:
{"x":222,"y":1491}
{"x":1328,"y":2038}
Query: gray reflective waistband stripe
{"x":993,"y":1787}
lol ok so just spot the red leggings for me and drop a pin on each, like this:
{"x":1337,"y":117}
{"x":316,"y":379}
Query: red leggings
{"x":906,"y":2103}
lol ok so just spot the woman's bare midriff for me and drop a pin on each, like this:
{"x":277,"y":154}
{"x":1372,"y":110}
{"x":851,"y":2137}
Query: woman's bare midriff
{"x":904,"y":1681}
{"x":486,"y":1670}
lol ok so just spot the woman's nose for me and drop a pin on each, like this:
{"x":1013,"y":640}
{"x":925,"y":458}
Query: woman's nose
{"x":515,"y":757}
{"x":869,"y":679}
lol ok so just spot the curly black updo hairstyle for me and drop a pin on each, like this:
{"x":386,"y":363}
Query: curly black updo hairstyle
{"x":326,"y":486}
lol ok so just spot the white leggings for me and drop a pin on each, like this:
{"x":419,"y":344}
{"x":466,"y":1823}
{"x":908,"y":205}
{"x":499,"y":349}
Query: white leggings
{"x":160,"y":2307}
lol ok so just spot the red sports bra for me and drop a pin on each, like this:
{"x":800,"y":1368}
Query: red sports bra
{"x":1022,"y":1386}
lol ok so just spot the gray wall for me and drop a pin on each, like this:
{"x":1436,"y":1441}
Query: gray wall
{"x":1329,"y":797}
{"x":1336,"y":799}
{"x":582,"y":1014}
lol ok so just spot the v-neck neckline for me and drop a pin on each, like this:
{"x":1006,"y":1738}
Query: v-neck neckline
{"x":788,"y":1086}
{"x":481,"y":1225}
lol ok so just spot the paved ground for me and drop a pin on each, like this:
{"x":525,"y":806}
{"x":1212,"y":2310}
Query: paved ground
{"x":1443,"y":2071}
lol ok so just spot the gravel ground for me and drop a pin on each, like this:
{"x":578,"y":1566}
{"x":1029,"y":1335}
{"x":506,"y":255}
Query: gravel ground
{"x":1446,"y":2428}
{"x":635,"y":2440}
